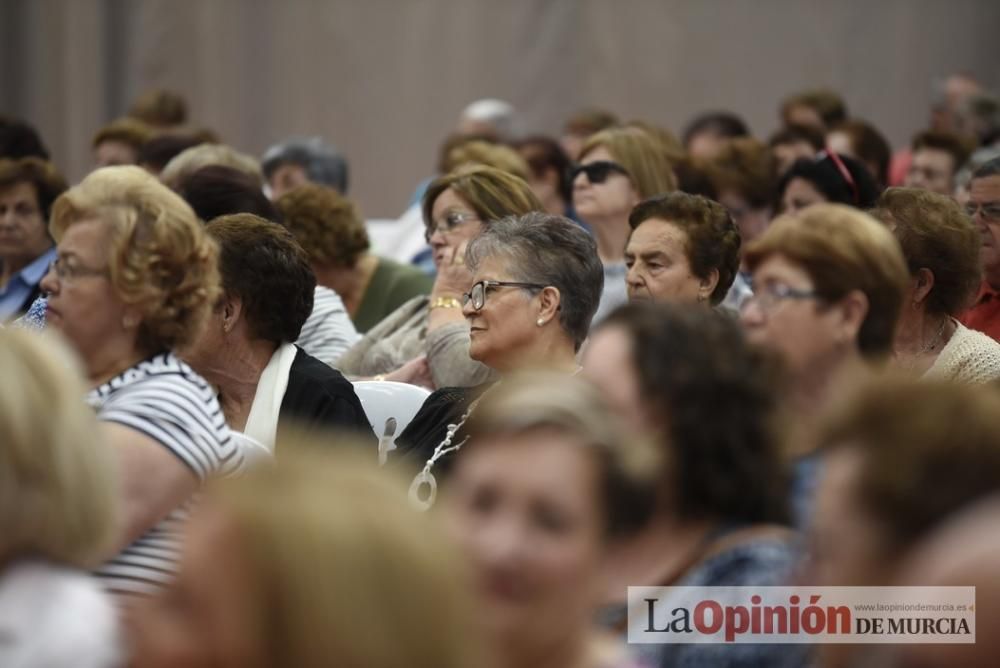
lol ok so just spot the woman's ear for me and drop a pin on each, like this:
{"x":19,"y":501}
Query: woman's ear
{"x":923,"y":283}
{"x":854,"y":308}
{"x":232,"y":310}
{"x":549,"y":300}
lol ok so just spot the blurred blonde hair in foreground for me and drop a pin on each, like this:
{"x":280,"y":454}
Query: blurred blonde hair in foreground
{"x":346,"y":574}
{"x":57,"y":489}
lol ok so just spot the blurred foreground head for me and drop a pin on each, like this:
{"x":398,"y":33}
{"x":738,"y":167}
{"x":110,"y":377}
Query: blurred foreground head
{"x":316,"y":561}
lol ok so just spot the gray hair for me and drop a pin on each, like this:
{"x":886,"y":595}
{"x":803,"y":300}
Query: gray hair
{"x":979,"y":159}
{"x":497,"y":113}
{"x":323,"y":163}
{"x":549,"y":250}
{"x":989,"y":168}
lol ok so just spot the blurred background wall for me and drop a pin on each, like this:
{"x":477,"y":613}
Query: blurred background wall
{"x":385,"y":80}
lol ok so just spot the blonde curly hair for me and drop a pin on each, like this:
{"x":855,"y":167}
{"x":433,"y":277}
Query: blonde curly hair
{"x":160,"y":259}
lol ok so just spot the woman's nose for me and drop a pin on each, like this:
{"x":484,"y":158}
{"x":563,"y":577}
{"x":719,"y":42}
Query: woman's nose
{"x":50,"y":282}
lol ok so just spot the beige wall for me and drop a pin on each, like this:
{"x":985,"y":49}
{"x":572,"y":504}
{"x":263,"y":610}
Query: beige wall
{"x":385,"y":79}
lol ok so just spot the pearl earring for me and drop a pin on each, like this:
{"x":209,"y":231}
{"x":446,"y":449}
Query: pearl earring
{"x":540,"y":322}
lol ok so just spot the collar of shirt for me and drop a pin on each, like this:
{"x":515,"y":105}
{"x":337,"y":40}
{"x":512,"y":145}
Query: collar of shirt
{"x":32,"y":274}
{"x":615,"y":269}
{"x":22,"y":284}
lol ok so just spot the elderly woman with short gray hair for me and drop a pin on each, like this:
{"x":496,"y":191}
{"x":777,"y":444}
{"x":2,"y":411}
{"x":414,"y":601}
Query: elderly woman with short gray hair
{"x":302,"y":160}
{"x":537,"y":282}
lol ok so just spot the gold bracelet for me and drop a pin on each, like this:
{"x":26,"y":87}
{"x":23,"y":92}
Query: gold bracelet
{"x":379,"y":378}
{"x":445,"y":302}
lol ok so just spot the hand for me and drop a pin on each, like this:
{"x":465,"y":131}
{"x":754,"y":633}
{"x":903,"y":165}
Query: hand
{"x":453,"y":275}
{"x":415,"y":372}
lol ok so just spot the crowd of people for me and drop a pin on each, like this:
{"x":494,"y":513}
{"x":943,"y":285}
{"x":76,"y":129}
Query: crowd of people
{"x":713,"y":360}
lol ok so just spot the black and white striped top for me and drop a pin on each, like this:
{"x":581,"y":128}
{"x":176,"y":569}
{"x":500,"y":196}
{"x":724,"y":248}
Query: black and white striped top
{"x":164,"y":399}
{"x":328,"y":332}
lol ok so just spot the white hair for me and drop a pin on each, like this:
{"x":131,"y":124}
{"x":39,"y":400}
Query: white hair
{"x":496,"y":112}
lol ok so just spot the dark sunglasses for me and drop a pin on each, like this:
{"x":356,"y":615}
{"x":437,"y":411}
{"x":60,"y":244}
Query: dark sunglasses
{"x":597,"y":172}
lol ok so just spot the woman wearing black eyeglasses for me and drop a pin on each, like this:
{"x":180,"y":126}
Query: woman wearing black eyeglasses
{"x":618,"y":168}
{"x":537,"y":281}
{"x":426,"y":340}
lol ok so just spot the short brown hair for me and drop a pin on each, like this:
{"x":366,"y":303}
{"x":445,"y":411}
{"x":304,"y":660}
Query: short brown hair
{"x":843,"y":250}
{"x":746,"y":166}
{"x":694,"y":365}
{"x":159,"y":107}
{"x":491,"y":193}
{"x":794,"y":133}
{"x":48,"y":182}
{"x":160,"y":259}
{"x":126,"y":130}
{"x":588,"y":121}
{"x":713,"y":240}
{"x":935,"y":234}
{"x":261,"y":263}
{"x":325,"y":223}
{"x":491,"y":154}
{"x":671,"y":145}
{"x":642,"y":156}
{"x":928,"y":448}
{"x":942,"y":140}
{"x":825,"y":102}
{"x":869,"y":145}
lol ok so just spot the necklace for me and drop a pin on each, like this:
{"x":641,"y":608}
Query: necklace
{"x":422,"y":500}
{"x":425,"y":500}
{"x":929,"y":346}
{"x":933,"y":342}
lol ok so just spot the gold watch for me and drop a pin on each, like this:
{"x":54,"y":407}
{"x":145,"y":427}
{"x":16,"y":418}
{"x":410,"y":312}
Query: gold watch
{"x":445,"y":302}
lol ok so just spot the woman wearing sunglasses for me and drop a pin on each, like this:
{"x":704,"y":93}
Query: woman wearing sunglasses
{"x":618,"y":168}
{"x":536,"y":283}
{"x":426,"y":340}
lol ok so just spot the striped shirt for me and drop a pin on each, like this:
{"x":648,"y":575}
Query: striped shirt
{"x":328,"y":331}
{"x":164,"y":399}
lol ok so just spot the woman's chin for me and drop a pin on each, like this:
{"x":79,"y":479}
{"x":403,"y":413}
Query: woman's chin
{"x":480,"y":353}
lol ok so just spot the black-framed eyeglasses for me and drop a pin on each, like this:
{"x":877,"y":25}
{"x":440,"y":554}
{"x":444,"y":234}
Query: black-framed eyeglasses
{"x":447,"y":224}
{"x":68,"y":272}
{"x":769,"y":296}
{"x":597,"y":171}
{"x":989,"y":211}
{"x":477,"y":295}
